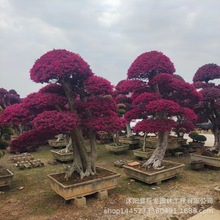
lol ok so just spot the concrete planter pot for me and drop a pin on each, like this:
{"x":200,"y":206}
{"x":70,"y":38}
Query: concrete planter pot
{"x":143,"y":154}
{"x":63,"y":157}
{"x":173,"y":143}
{"x":155,"y":176}
{"x":210,"y":161}
{"x":117,"y":149}
{"x":6,"y":179}
{"x":84,"y":188}
{"x":57,"y":144}
{"x":217,"y":190}
{"x":197,"y":165}
{"x":196,"y":144}
{"x":131,"y":141}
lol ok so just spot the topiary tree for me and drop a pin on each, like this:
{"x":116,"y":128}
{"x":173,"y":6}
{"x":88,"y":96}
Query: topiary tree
{"x":75,"y":102}
{"x":166,"y":98}
{"x":198,"y":138}
{"x":208,"y":108}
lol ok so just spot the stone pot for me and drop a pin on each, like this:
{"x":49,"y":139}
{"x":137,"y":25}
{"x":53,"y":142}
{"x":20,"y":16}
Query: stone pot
{"x":6,"y":178}
{"x":173,"y":143}
{"x":61,"y":156}
{"x":57,"y":144}
{"x":73,"y":190}
{"x":117,"y":149}
{"x":210,"y":161}
{"x":155,"y":176}
{"x":143,"y":154}
{"x":197,"y":165}
{"x":217,"y":190}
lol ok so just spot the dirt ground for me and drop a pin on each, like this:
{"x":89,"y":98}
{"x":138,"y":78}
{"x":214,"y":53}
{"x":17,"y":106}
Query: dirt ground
{"x":31,"y":198}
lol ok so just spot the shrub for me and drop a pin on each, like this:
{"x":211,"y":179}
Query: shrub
{"x":3,"y":144}
{"x":197,"y":137}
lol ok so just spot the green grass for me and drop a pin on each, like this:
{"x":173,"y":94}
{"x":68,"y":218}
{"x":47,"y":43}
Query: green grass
{"x":36,"y":197}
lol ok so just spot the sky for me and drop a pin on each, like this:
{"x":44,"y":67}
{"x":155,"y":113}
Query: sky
{"x":107,"y":34}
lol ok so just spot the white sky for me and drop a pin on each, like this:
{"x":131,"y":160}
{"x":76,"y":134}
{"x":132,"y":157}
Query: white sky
{"x":108,"y":34}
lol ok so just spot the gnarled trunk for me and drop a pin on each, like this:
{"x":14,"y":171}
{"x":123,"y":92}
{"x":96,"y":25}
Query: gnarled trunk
{"x":156,"y":159}
{"x":82,"y":162}
{"x":128,"y":130}
{"x":69,"y":146}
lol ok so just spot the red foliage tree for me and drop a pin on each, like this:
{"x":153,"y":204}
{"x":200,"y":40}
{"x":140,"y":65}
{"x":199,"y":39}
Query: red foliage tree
{"x":164,"y":105}
{"x":208,"y":108}
{"x":75,"y":102}
{"x":7,"y":98}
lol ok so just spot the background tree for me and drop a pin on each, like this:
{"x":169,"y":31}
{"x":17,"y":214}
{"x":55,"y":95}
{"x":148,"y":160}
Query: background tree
{"x":208,"y":109}
{"x":82,"y":106}
{"x":166,"y":97}
{"x":7,"y":98}
{"x":124,"y":96}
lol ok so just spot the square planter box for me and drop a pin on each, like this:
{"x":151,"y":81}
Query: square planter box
{"x":154,"y":176}
{"x":63,"y":157}
{"x":84,"y":188}
{"x":56,"y":144}
{"x":211,"y":161}
{"x":196,"y":145}
{"x":217,"y":190}
{"x":116,"y":149}
{"x":130,"y":141}
{"x":143,"y":154}
{"x":6,"y":179}
{"x":172,"y":143}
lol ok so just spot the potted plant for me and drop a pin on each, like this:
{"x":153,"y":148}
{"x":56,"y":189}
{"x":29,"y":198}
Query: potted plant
{"x":208,"y":157}
{"x":75,"y":102}
{"x":6,"y":175}
{"x":198,"y":140}
{"x":150,"y":175}
{"x":116,"y":147}
{"x":158,"y":97}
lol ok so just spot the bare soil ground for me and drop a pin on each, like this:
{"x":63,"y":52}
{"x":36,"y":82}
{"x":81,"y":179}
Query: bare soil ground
{"x":31,"y":198}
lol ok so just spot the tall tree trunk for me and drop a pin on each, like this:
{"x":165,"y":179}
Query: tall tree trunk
{"x":82,"y":162}
{"x":116,"y":138}
{"x":93,"y":154}
{"x":144,"y":142}
{"x":156,"y":159}
{"x":128,"y":130}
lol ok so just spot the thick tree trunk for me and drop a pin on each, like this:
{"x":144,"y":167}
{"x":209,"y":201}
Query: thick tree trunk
{"x":128,"y":130}
{"x":116,"y":138}
{"x":216,"y":133}
{"x":93,"y":154}
{"x":144,"y":142}
{"x":82,"y":162}
{"x":69,"y":146}
{"x":156,"y":159}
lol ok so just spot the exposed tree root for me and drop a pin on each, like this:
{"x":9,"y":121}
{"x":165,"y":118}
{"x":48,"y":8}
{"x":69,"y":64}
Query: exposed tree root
{"x":76,"y":168}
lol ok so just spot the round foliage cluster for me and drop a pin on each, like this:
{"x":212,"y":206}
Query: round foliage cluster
{"x":59,"y":64}
{"x":148,"y":64}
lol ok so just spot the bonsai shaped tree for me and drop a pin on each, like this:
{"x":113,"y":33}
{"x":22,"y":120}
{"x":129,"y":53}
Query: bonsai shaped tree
{"x":167,"y":97}
{"x":198,"y":138}
{"x":124,"y":96}
{"x":75,"y":102}
{"x":7,"y":98}
{"x":208,"y":108}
